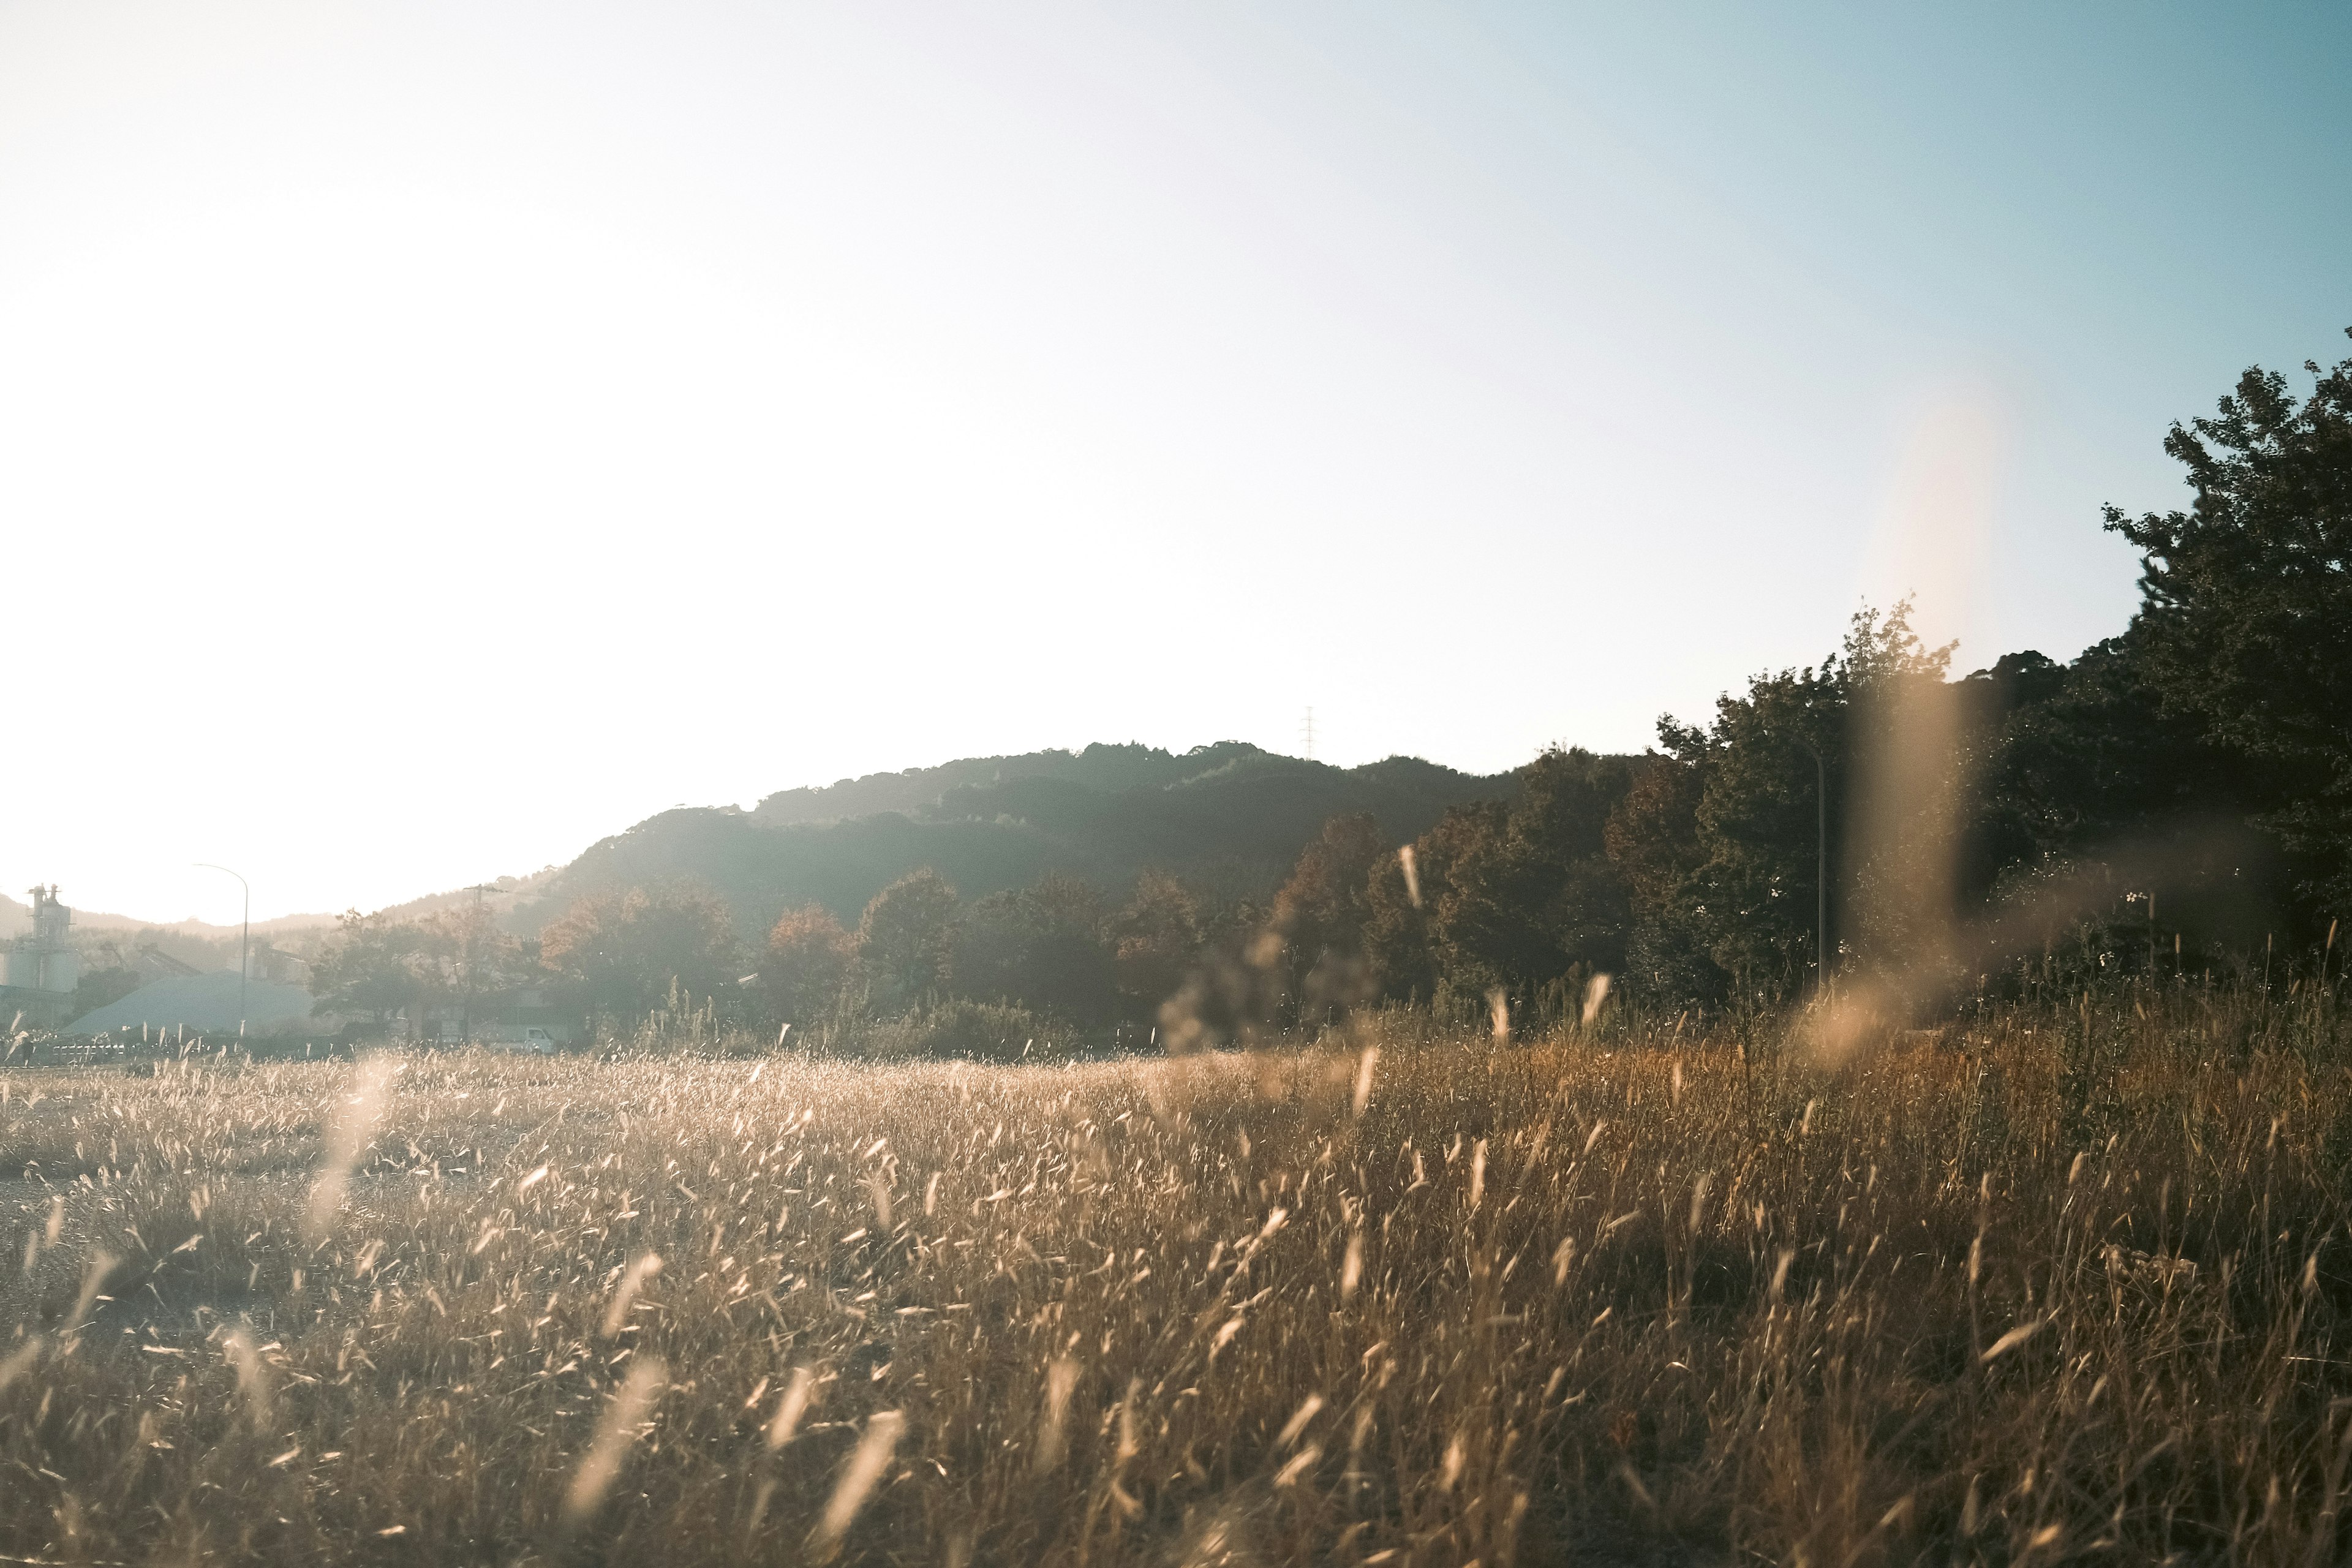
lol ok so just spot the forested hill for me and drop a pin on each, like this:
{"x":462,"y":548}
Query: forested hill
{"x":1229,"y":818}
{"x":917,"y":791}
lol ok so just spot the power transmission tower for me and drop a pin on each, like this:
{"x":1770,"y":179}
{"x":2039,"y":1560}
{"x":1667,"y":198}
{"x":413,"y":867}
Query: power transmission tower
{"x":1306,"y":733}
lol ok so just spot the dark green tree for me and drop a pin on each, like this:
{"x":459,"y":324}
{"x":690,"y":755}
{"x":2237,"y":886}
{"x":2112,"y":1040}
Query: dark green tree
{"x":1396,"y":917}
{"x":1744,"y":880}
{"x":624,"y":954}
{"x":1323,"y":911}
{"x":1653,"y":838}
{"x":2245,"y":623}
{"x":905,"y":938}
{"x":1159,"y":938}
{"x":1069,"y":962}
{"x":378,"y":965}
{"x":1525,"y":893}
{"x":1044,"y":947}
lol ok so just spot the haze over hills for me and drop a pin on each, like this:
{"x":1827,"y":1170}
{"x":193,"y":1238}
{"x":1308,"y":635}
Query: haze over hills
{"x":17,"y":918}
{"x":1230,"y":817}
{"x":501,"y":893}
{"x":1099,"y":767}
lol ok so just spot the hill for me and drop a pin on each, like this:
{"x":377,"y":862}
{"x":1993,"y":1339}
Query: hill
{"x":917,"y":790}
{"x":1229,"y":817}
{"x":499,"y":895}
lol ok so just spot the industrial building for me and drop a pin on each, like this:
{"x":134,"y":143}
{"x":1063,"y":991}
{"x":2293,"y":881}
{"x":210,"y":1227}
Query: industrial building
{"x":39,"y":971}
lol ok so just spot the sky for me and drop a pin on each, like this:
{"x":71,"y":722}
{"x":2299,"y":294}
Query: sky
{"x":434,"y":436}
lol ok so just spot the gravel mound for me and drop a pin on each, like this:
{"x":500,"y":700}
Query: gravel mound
{"x":206,"y":1002}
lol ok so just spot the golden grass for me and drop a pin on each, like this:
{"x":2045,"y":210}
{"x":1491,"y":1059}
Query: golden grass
{"x":1625,"y":1300}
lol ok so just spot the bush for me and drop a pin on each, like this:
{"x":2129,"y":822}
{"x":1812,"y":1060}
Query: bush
{"x":976,"y":1031}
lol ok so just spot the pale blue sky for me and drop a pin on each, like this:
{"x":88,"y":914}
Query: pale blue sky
{"x":434,"y":435}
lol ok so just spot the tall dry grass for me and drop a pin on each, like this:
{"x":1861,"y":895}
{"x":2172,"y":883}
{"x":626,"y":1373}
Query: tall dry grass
{"x":2062,"y":1283}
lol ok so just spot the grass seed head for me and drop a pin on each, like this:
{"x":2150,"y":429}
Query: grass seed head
{"x":867,"y":1463}
{"x":791,"y":1405}
{"x":616,"y":1433}
{"x":1052,"y":1431}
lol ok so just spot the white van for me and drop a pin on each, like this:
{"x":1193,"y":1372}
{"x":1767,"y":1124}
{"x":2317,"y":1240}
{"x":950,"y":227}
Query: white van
{"x":535,"y":1042}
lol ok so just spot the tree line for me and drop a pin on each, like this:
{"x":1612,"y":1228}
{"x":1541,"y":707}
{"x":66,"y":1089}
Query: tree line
{"x":2177,"y":797}
{"x":1054,"y":954}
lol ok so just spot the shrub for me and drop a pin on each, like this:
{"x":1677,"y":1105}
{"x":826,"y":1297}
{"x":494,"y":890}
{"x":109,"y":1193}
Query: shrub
{"x":976,"y":1031}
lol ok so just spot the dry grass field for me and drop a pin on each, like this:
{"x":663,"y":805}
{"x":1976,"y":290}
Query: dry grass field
{"x":2061,"y":1285}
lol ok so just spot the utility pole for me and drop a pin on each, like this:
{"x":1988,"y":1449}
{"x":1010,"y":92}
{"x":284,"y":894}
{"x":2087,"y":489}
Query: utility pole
{"x":473,"y":957}
{"x":244,"y":939}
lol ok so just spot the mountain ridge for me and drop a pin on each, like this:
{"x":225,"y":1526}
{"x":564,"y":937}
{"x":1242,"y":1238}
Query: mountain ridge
{"x":1101,"y":765}
{"x":1230,"y":817}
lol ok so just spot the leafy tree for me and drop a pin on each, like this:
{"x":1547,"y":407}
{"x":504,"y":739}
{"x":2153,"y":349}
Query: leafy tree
{"x":1069,"y":956}
{"x":1044,"y":947}
{"x":622,"y":954}
{"x":2085,"y":764}
{"x":1396,"y":924}
{"x":1418,"y":951}
{"x":1747,"y":875}
{"x":2245,"y":622}
{"x":1159,"y":940}
{"x":1323,"y":913}
{"x":474,"y":957}
{"x":1523,"y":894}
{"x":809,"y":961}
{"x":1653,"y":838}
{"x":905,"y":938}
{"x":1519,"y":895}
{"x":377,"y":966}
{"x":991,"y":949}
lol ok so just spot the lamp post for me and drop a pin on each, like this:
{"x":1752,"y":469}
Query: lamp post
{"x":244,"y":939}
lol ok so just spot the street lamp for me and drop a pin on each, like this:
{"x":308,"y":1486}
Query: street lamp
{"x":244,"y":939}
